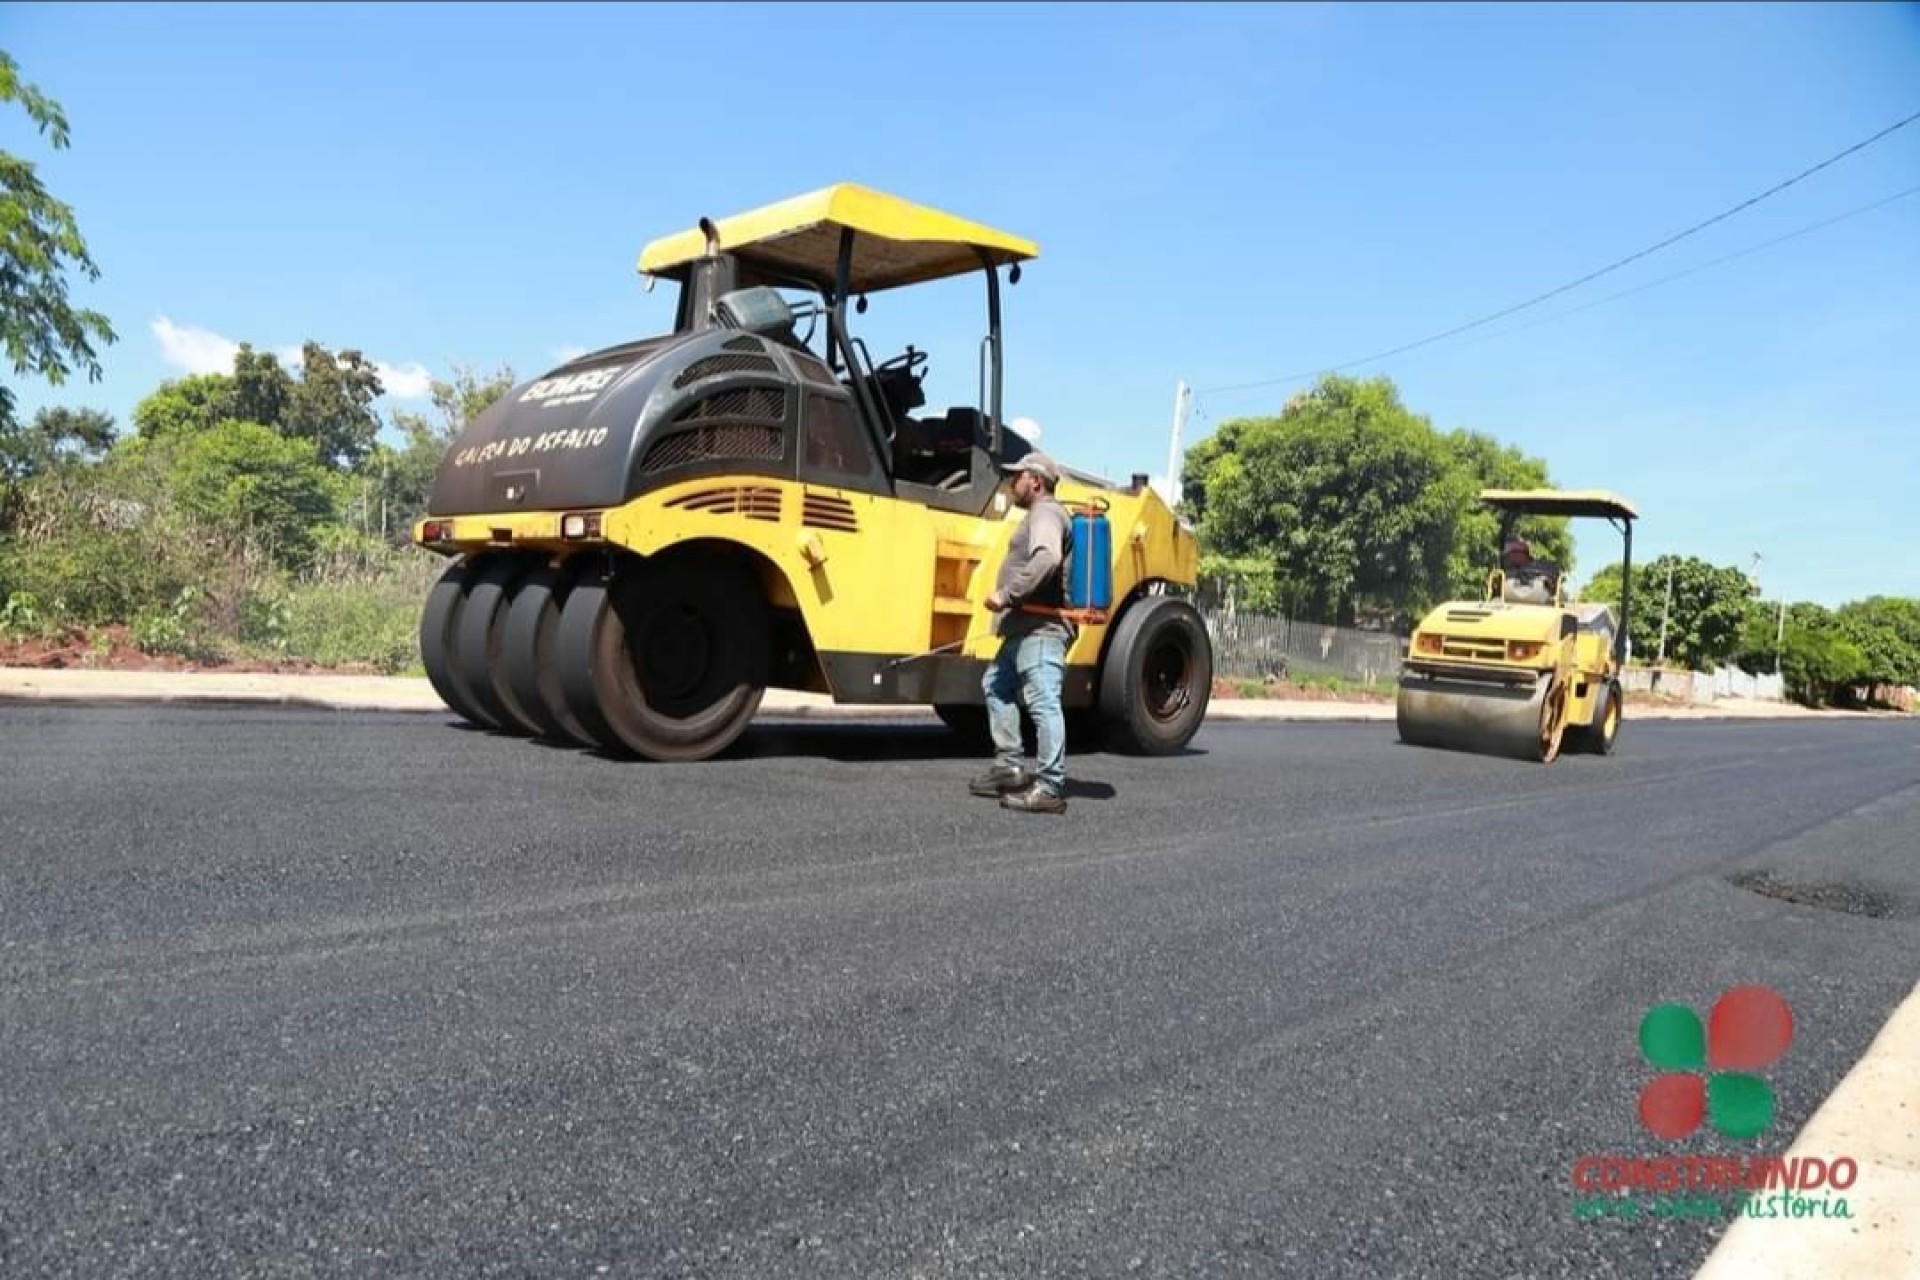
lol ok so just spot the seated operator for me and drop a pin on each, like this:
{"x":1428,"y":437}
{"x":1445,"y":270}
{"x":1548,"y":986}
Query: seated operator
{"x":1528,"y":581}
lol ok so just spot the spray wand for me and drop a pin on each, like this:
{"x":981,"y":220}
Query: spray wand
{"x":957,"y":644}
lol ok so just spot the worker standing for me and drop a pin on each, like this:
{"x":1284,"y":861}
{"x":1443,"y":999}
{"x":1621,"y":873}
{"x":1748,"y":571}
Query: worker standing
{"x":1030,"y":668}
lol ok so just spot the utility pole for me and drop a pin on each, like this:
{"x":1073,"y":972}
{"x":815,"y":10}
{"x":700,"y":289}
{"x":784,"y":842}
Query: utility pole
{"x":1780,"y":634}
{"x":1665,"y":613}
{"x":1180,"y":402}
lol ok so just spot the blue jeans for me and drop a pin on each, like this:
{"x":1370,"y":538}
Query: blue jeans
{"x":1031,"y":669}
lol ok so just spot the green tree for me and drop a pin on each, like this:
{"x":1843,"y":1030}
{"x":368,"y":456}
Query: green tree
{"x":1248,"y":582}
{"x":1351,"y":497}
{"x":1492,"y":465}
{"x":262,"y":390}
{"x":332,"y":406}
{"x":1817,"y":659}
{"x":187,"y":406}
{"x":105,"y":543}
{"x":247,"y":481}
{"x":55,"y":436}
{"x":45,"y":335}
{"x":1886,"y":629}
{"x":1708,"y":622}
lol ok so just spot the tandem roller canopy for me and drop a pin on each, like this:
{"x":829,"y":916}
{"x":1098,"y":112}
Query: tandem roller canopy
{"x":1596,"y":503}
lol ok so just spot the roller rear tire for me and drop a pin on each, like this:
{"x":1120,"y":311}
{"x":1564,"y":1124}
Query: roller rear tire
{"x":480,"y":636}
{"x":439,"y":652}
{"x":1157,"y":680}
{"x":530,"y":653}
{"x":669,"y":656}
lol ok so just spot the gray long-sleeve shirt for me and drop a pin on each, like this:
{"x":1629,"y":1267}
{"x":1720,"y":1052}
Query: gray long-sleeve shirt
{"x":1031,"y":572}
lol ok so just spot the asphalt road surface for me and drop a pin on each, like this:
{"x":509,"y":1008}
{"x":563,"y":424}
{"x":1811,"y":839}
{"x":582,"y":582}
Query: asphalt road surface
{"x":299,"y":993}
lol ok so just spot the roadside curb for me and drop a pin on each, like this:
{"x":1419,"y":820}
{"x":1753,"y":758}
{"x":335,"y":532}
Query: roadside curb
{"x":413,"y":694}
{"x":80,"y":686}
{"x":1874,"y":1118}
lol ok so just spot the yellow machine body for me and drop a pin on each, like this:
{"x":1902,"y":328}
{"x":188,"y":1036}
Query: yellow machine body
{"x":1509,"y":676}
{"x":647,"y":538}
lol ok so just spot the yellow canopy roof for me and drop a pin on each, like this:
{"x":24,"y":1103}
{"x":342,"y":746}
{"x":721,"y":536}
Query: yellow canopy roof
{"x":1560,"y":502}
{"x":895,"y":242}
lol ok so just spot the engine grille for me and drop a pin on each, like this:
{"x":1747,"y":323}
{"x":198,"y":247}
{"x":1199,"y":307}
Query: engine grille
{"x":824,"y":511}
{"x":752,"y":501}
{"x":750,"y":404}
{"x":713,"y":366}
{"x":714,"y":440}
{"x":1481,"y":650}
{"x":813,"y":371}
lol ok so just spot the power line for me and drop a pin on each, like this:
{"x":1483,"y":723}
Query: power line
{"x":1809,"y":229}
{"x":1695,"y":270}
{"x":1199,"y":408}
{"x":1590,"y":276}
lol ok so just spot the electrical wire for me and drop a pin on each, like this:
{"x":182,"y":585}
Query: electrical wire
{"x":1585,"y":279}
{"x":1695,"y":270}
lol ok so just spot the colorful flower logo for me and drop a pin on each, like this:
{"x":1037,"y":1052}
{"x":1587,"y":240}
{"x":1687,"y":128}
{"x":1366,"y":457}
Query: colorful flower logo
{"x":1708,"y":1072}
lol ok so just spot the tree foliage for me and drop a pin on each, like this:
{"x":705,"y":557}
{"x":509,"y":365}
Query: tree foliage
{"x":1706,"y":621}
{"x":245,"y":481}
{"x":40,"y":241}
{"x":1886,"y":629}
{"x":57,"y":435}
{"x":186,"y":406}
{"x":330,"y":405}
{"x":1816,"y":659}
{"x":1357,"y":505}
{"x":1492,"y":465}
{"x":259,"y":390}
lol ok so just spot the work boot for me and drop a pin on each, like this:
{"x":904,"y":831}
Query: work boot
{"x":1034,"y":799}
{"x":999,"y":780}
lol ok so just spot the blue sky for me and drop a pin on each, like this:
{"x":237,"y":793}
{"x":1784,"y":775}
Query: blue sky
{"x":1220,"y":194}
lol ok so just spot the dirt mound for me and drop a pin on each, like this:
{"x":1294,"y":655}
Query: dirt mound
{"x":112,"y":649}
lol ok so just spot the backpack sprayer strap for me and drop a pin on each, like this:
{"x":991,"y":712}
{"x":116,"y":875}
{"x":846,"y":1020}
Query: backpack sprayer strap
{"x":1079,"y":617}
{"x":1097,"y":508}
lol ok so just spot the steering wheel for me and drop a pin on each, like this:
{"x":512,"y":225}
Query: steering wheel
{"x":906,"y":362}
{"x":899,"y":390}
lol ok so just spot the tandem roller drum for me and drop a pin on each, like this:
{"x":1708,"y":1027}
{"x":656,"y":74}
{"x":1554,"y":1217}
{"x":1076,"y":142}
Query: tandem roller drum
{"x":1519,"y":721}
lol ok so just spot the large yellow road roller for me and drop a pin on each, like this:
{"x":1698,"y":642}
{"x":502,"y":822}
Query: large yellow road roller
{"x":1522,"y":672}
{"x":645,"y":539}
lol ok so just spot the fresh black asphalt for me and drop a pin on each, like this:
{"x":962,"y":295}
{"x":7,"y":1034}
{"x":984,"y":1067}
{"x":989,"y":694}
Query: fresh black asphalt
{"x":307,"y":993}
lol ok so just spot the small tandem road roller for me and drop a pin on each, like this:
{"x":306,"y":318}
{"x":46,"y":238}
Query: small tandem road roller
{"x":646,"y":538}
{"x":1522,"y":672}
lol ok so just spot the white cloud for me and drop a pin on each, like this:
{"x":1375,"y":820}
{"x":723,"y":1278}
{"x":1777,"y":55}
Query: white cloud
{"x":204,"y":351}
{"x":405,"y":381}
{"x":194,"y":350}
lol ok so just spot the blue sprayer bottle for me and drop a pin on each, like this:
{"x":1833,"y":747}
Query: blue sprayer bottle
{"x":1090,"y":577}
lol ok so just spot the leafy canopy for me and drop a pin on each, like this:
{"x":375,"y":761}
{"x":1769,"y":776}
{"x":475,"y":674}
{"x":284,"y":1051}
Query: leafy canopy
{"x":44,"y":334}
{"x":1350,"y":503}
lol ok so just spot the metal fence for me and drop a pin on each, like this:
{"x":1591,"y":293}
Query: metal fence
{"x":1704,"y":686}
{"x":1250,"y":646}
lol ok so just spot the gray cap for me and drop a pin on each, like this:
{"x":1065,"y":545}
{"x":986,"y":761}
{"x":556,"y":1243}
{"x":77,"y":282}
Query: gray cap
{"x":1040,"y":464}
